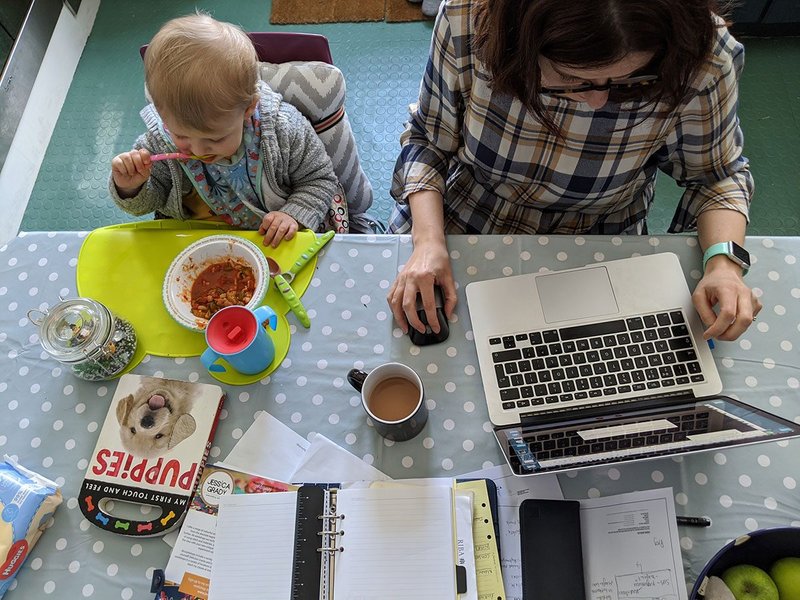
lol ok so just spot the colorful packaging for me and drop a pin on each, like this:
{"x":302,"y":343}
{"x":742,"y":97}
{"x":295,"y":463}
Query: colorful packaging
{"x":27,"y":501}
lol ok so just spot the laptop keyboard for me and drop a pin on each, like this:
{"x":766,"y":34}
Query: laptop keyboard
{"x":645,"y":354}
{"x":533,"y":451}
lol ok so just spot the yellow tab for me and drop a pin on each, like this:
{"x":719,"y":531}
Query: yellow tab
{"x":487,"y":560}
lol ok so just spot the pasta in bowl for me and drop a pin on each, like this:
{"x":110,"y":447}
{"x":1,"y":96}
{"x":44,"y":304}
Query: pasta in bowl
{"x":212,"y":273}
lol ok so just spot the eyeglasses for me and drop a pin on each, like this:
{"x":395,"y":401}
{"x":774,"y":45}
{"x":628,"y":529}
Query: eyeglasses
{"x":620,"y":85}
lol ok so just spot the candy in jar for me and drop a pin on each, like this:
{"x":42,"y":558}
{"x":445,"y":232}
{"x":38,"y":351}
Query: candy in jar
{"x":84,"y":335}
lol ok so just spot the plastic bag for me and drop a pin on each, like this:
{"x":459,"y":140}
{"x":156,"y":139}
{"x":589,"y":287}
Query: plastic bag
{"x":27,"y":501}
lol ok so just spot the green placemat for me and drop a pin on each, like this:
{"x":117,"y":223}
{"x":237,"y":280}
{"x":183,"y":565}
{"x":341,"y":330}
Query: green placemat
{"x":123,"y":266}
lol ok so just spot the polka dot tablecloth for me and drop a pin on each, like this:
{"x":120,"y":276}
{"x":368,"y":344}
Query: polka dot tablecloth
{"x":50,"y":419}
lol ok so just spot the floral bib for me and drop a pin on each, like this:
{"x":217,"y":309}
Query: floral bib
{"x":233,"y":190}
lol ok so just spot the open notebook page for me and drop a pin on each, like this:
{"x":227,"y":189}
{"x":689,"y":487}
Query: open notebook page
{"x":398,"y":544}
{"x":254,"y":547}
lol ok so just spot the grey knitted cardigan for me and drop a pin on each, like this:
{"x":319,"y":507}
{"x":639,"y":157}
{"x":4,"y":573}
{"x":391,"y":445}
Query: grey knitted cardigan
{"x":297,"y":174}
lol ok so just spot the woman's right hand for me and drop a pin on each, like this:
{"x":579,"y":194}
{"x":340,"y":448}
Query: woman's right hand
{"x":428,"y":264}
{"x":130,"y":171}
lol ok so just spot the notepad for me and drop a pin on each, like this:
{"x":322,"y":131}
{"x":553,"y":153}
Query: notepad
{"x":398,"y":543}
{"x":254,"y":546}
{"x":341,"y":544}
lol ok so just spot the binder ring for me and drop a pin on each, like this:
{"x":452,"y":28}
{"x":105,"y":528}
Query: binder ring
{"x":332,"y":549}
{"x":330,"y":532}
{"x":330,"y":516}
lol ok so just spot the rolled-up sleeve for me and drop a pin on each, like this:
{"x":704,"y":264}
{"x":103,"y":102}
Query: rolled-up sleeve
{"x":433,"y":132}
{"x":703,"y":152}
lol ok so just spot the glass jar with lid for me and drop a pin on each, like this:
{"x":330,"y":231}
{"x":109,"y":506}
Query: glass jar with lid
{"x":84,"y":335}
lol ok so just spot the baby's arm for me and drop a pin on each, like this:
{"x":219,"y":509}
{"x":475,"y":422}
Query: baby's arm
{"x":138,"y":194}
{"x":313,"y":182}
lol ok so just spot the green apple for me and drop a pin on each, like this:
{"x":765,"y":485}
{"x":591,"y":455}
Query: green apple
{"x":748,"y":582}
{"x":786,"y":575}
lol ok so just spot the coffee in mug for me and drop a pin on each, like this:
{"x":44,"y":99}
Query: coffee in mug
{"x":393,"y":397}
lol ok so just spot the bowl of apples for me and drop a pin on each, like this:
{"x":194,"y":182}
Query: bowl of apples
{"x":761,"y":565}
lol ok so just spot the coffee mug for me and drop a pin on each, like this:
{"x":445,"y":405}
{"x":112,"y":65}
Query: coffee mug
{"x":235,"y":333}
{"x":393,"y":396}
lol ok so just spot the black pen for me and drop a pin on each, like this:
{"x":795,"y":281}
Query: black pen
{"x":694,"y":521}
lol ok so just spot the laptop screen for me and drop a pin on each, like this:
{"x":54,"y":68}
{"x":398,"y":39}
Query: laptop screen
{"x":577,"y":439}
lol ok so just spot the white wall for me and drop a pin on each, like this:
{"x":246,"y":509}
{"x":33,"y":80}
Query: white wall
{"x":41,"y":114}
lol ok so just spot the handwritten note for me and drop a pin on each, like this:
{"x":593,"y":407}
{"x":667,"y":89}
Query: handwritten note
{"x":646,"y":562}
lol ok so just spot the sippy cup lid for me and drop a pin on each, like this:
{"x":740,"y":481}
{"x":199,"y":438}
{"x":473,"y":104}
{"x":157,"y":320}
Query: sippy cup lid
{"x":231,"y":329}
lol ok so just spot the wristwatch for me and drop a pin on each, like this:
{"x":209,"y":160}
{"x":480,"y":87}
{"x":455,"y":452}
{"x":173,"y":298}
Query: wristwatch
{"x":730,"y":249}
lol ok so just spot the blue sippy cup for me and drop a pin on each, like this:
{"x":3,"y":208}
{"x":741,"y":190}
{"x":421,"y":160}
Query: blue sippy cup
{"x":235,"y":333}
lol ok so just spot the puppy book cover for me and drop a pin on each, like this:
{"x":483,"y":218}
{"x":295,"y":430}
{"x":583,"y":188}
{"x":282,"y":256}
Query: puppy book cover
{"x":150,"y":451}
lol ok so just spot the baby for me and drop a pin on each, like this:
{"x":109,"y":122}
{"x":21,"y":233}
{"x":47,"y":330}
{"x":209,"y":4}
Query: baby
{"x":254,"y":161}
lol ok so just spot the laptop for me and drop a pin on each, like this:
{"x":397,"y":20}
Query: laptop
{"x":603,"y":364}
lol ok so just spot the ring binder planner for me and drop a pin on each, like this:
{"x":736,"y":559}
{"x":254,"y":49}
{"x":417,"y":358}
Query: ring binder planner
{"x":309,"y":524}
{"x":358,"y":542}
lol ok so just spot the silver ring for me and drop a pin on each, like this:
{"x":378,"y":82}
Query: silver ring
{"x":754,"y":319}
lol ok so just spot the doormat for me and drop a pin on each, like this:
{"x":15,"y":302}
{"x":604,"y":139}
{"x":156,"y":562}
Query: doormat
{"x":344,"y":11}
{"x":403,"y":11}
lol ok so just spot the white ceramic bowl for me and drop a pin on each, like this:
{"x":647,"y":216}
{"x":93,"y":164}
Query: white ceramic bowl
{"x":194,"y":259}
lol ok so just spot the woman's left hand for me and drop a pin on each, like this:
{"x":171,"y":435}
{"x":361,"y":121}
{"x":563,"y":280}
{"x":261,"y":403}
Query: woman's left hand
{"x":722,"y":286}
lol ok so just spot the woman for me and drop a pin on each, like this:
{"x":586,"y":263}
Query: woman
{"x":548,"y":117}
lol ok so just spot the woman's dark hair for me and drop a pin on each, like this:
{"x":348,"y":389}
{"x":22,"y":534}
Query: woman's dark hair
{"x":511,"y":35}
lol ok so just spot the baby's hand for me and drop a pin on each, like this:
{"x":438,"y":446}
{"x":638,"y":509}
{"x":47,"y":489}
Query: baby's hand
{"x":130,"y":170}
{"x":277,"y":226}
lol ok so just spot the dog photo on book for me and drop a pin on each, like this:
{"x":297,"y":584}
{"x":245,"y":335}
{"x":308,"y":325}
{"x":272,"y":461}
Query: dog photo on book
{"x":157,"y":416}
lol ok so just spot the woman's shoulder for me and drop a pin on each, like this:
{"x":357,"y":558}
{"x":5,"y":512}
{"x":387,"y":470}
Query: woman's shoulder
{"x":725,"y":59}
{"x":459,"y":14}
{"x":725,"y":49}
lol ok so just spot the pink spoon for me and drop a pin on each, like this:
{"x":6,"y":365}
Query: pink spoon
{"x":171,"y":155}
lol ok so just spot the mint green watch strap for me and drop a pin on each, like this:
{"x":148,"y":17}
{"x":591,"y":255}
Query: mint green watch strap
{"x":721,"y":248}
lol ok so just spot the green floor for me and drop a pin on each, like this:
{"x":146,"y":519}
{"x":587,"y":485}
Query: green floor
{"x":382,"y":64}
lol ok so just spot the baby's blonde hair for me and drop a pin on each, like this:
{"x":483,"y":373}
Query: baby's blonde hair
{"x":199,"y":70}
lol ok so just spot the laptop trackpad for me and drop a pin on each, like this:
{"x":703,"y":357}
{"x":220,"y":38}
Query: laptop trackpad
{"x":576,"y":295}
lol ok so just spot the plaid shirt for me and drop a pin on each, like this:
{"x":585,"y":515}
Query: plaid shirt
{"x":501,"y":171}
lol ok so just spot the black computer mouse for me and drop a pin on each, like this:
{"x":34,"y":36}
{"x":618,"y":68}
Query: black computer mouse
{"x":429,"y":337}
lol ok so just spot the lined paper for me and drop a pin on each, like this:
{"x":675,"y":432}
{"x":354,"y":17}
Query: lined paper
{"x":254,"y":547}
{"x":398,"y":544}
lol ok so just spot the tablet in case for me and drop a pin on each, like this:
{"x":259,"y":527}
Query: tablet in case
{"x":550,"y":539}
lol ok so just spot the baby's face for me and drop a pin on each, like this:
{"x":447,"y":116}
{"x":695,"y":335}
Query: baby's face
{"x":221,"y":141}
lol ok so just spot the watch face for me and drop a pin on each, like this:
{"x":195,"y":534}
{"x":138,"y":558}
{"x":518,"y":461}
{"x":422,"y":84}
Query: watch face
{"x":740,"y":253}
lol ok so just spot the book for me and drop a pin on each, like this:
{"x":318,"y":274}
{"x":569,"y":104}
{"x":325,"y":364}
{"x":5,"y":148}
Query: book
{"x":150,"y":451}
{"x":189,"y":566}
{"x":327,"y":542}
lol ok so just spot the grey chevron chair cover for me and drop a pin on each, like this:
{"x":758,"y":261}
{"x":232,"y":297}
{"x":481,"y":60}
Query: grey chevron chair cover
{"x":317,"y":89}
